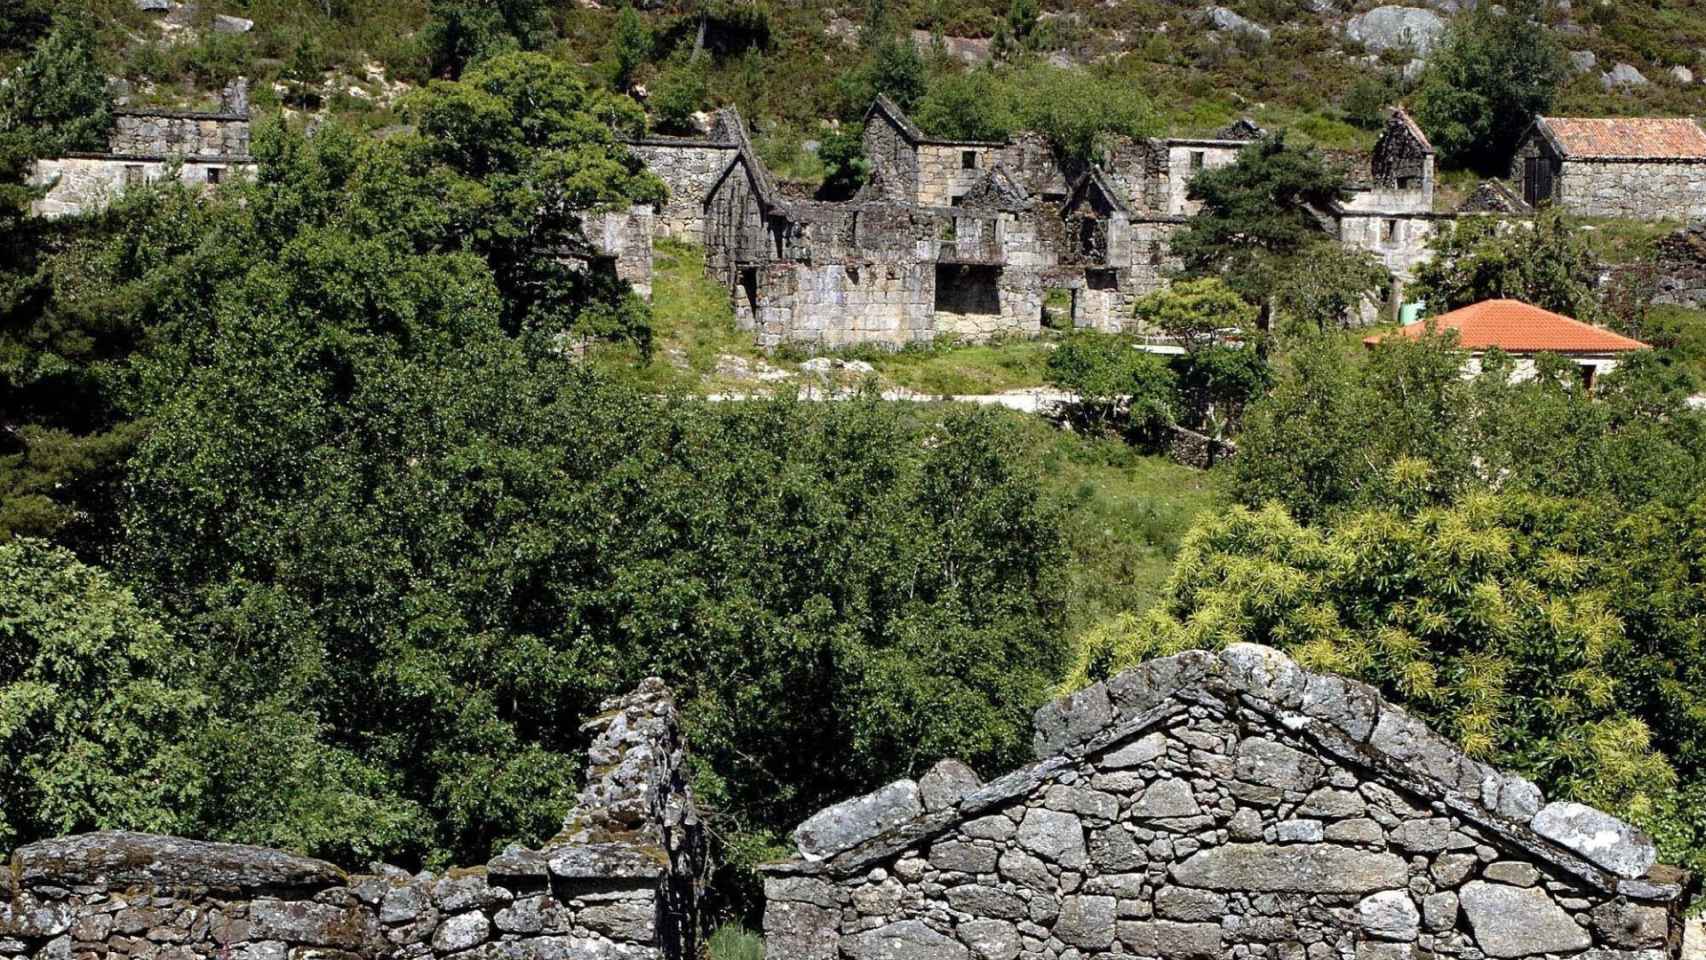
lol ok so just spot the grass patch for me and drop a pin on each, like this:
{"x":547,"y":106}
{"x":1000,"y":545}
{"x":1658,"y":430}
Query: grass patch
{"x":1624,"y":241}
{"x":1127,"y":513}
{"x":949,"y":368}
{"x":693,"y":327}
{"x":731,"y":941}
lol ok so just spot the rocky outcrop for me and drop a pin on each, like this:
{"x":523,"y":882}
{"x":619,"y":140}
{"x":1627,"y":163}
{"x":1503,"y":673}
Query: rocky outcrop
{"x":1394,"y":27}
{"x":620,"y":882}
{"x":1211,"y":807}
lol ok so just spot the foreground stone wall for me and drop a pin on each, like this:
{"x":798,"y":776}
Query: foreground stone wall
{"x":1232,"y":806}
{"x":620,"y":882}
{"x":1680,"y":268}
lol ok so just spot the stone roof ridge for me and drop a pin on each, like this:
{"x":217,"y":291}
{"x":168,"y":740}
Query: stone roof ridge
{"x":888,"y":108}
{"x":730,"y":129}
{"x":1344,"y":718}
{"x":1098,"y":177}
{"x":1409,"y":123}
{"x":997,"y":188}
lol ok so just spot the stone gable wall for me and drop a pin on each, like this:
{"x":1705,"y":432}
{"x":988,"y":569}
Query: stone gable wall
{"x":688,"y":168}
{"x":620,"y":882}
{"x":1210,"y":807}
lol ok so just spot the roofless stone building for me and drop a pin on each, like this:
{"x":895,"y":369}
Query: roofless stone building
{"x":1206,"y":806}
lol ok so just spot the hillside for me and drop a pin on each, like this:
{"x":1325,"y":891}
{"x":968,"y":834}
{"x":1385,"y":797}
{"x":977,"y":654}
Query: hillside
{"x":1322,"y":68}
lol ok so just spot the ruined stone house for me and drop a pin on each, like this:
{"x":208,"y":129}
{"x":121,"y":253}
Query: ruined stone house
{"x":1636,"y":168}
{"x":145,"y":146}
{"x":967,"y":238}
{"x":1219,"y":806}
{"x":620,"y":882}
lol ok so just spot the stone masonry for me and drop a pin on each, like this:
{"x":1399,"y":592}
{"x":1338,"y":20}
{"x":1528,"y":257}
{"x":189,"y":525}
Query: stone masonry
{"x":1209,"y":807}
{"x":619,"y":883}
{"x":966,"y":238}
{"x":145,"y":146}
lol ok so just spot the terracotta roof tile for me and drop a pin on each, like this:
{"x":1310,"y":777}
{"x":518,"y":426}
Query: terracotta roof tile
{"x":1656,"y":138}
{"x":1517,"y":327}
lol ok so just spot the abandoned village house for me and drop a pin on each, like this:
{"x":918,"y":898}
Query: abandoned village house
{"x":1634,"y":168}
{"x":145,"y":146}
{"x":966,"y":238}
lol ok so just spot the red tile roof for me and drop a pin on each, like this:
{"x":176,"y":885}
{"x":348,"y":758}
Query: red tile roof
{"x":1644,"y":138}
{"x":1516,"y":327}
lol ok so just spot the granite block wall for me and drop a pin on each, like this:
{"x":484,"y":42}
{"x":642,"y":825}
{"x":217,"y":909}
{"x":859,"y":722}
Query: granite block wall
{"x":620,"y":882}
{"x":1633,"y":191}
{"x":687,"y":168}
{"x":1212,"y":807}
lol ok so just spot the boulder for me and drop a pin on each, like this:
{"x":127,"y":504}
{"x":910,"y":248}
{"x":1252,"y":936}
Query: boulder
{"x":224,"y":23}
{"x":1394,"y":27}
{"x":851,"y":822}
{"x":1390,"y":915}
{"x":1582,"y":61}
{"x":990,"y":939}
{"x":1086,"y":922}
{"x":1682,"y":75}
{"x":1519,"y":921}
{"x":1077,"y":716}
{"x":1622,"y":75}
{"x":1598,"y":837}
{"x":120,"y":859}
{"x":1224,"y":19}
{"x":1054,"y":836}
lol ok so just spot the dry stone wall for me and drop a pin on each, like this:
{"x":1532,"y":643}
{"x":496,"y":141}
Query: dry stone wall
{"x":688,"y":168}
{"x":167,"y":134}
{"x":1228,"y":807}
{"x":1633,"y":191}
{"x":620,"y":882}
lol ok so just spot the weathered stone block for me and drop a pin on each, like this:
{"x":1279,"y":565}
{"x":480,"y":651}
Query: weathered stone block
{"x":1598,"y":837}
{"x":903,"y":940}
{"x":847,"y":824}
{"x":1519,"y":922}
{"x":1086,"y":922}
{"x":1319,"y":868}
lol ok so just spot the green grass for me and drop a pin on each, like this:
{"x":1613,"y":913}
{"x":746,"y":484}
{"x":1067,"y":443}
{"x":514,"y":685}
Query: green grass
{"x":953,"y":368}
{"x":1127,"y":513}
{"x":731,"y":941}
{"x":693,"y":326}
{"x":1624,"y":241}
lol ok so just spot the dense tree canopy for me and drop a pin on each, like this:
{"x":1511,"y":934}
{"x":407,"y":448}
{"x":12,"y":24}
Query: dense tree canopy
{"x":1545,"y":262}
{"x":1498,"y":67}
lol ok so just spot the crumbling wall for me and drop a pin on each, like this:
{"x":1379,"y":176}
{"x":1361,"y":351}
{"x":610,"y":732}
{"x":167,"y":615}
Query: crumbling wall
{"x":1680,"y":268}
{"x":893,"y":159}
{"x":944,"y":177}
{"x":688,"y":168}
{"x":183,"y":134}
{"x":1209,"y":806}
{"x":83,"y":184}
{"x":620,"y":882}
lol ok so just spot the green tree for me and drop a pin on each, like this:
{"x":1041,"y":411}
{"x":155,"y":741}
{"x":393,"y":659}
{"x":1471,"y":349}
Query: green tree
{"x":1546,"y":263}
{"x":1022,"y":16}
{"x":95,"y":709}
{"x":966,"y":106}
{"x":1494,"y":72}
{"x":1198,"y":313}
{"x":55,"y":101}
{"x":842,"y":150}
{"x":630,"y":47}
{"x":1325,"y":287}
{"x":1080,"y":111}
{"x":679,"y":93}
{"x":1113,"y":381}
{"x":1259,"y":215}
{"x":461,"y":32}
{"x":1515,"y":624}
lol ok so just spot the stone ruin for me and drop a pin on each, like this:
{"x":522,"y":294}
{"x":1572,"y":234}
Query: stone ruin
{"x":620,"y":882}
{"x":1223,"y":807}
{"x":148,"y":145}
{"x":967,"y":238}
